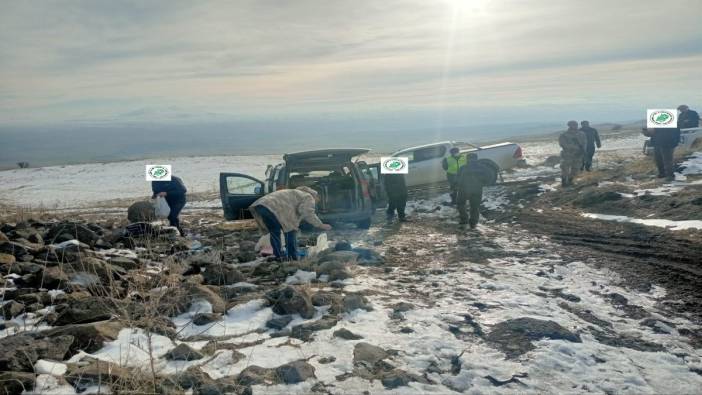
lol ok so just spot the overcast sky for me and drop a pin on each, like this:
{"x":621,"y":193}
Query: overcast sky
{"x":448,"y":60}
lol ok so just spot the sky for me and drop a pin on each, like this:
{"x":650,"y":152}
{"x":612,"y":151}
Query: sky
{"x":440,"y":63}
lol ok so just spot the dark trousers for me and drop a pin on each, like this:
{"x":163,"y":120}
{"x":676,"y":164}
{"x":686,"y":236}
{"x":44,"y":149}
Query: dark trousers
{"x":396,"y":203}
{"x":453,"y":186}
{"x":176,"y":203}
{"x":664,"y":161}
{"x":587,"y":160}
{"x":474,"y":198}
{"x":274,"y":229}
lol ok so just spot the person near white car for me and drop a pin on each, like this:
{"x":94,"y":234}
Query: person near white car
{"x":452,"y":164}
{"x":687,"y":118}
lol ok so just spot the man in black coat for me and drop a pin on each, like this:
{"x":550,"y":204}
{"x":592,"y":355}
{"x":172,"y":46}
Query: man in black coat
{"x":174,"y":192}
{"x":593,"y":139}
{"x":472,"y":177}
{"x":664,"y":141}
{"x":687,"y":118}
{"x":396,"y":190}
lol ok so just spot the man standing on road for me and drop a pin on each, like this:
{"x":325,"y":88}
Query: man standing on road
{"x":664,"y":141}
{"x":593,"y":138}
{"x":687,"y":118}
{"x":572,"y":143}
{"x":451,"y":165}
{"x":396,"y":189}
{"x":283,"y":211}
{"x":174,"y":193}
{"x":471,"y":179}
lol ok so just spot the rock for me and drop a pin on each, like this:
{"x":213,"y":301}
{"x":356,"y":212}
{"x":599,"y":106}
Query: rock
{"x":54,"y":278}
{"x":346,"y":334}
{"x":12,"y":248}
{"x":256,"y":375}
{"x":399,"y":378}
{"x":35,"y":238}
{"x":105,"y":271}
{"x":402,"y":307}
{"x":342,"y":245}
{"x":20,"y":352}
{"x":124,"y":262}
{"x":279,"y":323}
{"x":353,"y":302}
{"x":344,"y":257}
{"x":100,"y":372}
{"x":205,"y":318}
{"x":247,"y":251}
{"x":368,"y":257}
{"x":16,"y":382}
{"x":305,"y":331}
{"x":193,"y":377}
{"x":74,"y":230}
{"x":291,"y":300}
{"x":514,"y":337}
{"x":222,"y":274}
{"x":87,"y":337}
{"x":323,"y":298}
{"x":3,"y":237}
{"x":327,"y":360}
{"x":368,"y":353}
{"x":141,"y":212}
{"x":12,"y":309}
{"x":86,"y":310}
{"x":7,"y":259}
{"x":178,"y":300}
{"x":183,"y":352}
{"x":295,"y":372}
{"x":334,"y":270}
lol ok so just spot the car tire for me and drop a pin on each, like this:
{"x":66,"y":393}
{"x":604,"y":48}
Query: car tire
{"x":492,"y":178}
{"x":364,"y":223}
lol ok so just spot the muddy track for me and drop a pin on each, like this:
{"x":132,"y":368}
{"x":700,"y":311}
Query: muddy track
{"x":641,"y":255}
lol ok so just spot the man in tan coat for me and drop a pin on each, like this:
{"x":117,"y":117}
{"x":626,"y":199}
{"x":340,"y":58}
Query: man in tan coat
{"x":283,"y":210}
{"x":573,"y":143}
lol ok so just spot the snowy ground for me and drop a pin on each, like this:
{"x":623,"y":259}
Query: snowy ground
{"x":524,"y":277}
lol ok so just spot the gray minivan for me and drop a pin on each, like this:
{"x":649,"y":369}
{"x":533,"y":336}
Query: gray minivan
{"x":349,"y":189}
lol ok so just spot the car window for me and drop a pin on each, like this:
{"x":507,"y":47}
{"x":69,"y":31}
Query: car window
{"x":243,"y":186}
{"x":428,"y":153}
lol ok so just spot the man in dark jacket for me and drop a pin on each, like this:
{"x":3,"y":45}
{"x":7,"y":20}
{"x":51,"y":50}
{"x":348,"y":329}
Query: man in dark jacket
{"x":174,"y":192}
{"x":664,"y":141}
{"x":471,"y":179}
{"x":687,"y":118}
{"x":593,"y":139}
{"x":396,"y":189}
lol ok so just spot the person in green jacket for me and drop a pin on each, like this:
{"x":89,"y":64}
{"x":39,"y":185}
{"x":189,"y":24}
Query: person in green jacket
{"x":452,"y":164}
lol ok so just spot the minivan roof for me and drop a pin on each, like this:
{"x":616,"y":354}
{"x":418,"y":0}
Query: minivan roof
{"x":323,"y":158}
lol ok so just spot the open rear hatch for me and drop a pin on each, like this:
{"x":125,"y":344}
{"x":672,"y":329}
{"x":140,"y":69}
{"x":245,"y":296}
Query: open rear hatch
{"x":331,"y":173}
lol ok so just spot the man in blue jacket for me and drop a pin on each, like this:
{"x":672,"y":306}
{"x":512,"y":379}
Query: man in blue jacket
{"x":174,"y":193}
{"x":687,"y":118}
{"x":472,"y":177}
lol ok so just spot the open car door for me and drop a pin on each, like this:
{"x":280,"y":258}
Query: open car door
{"x":376,"y":189}
{"x":238,"y":192}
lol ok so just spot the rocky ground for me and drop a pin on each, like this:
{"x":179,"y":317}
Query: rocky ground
{"x":541,"y":298}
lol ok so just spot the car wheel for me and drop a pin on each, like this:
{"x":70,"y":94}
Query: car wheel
{"x":364,"y":224}
{"x":492,"y":177}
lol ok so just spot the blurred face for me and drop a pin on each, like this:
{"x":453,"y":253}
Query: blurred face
{"x":585,"y":123}
{"x":572,"y":125}
{"x":454,"y":153}
{"x":683,"y":108}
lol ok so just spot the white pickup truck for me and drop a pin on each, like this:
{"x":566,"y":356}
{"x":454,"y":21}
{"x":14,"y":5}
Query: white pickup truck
{"x":425,"y":161}
{"x":690,"y":139}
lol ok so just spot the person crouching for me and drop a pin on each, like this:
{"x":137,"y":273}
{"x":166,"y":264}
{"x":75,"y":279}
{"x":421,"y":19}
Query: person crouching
{"x":283,"y":210}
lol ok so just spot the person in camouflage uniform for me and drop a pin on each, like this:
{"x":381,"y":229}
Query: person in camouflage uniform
{"x":573,"y":143}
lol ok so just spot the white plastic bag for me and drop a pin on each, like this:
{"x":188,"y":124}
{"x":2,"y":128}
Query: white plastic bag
{"x":161,"y":208}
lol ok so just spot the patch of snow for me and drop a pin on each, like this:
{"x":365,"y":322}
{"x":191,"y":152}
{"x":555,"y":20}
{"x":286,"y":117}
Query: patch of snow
{"x":662,"y":223}
{"x":44,"y":366}
{"x":47,"y":384}
{"x":239,"y":319}
{"x":693,"y":165}
{"x":301,"y":277}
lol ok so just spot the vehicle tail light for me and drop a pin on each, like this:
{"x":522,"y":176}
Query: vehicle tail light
{"x":518,"y":153}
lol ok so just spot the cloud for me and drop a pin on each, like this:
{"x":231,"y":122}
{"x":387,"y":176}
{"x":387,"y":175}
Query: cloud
{"x":253,"y":59}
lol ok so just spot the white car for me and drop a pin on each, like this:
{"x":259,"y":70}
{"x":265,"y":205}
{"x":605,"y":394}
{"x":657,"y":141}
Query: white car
{"x":425,"y":161}
{"x":690,"y":139}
